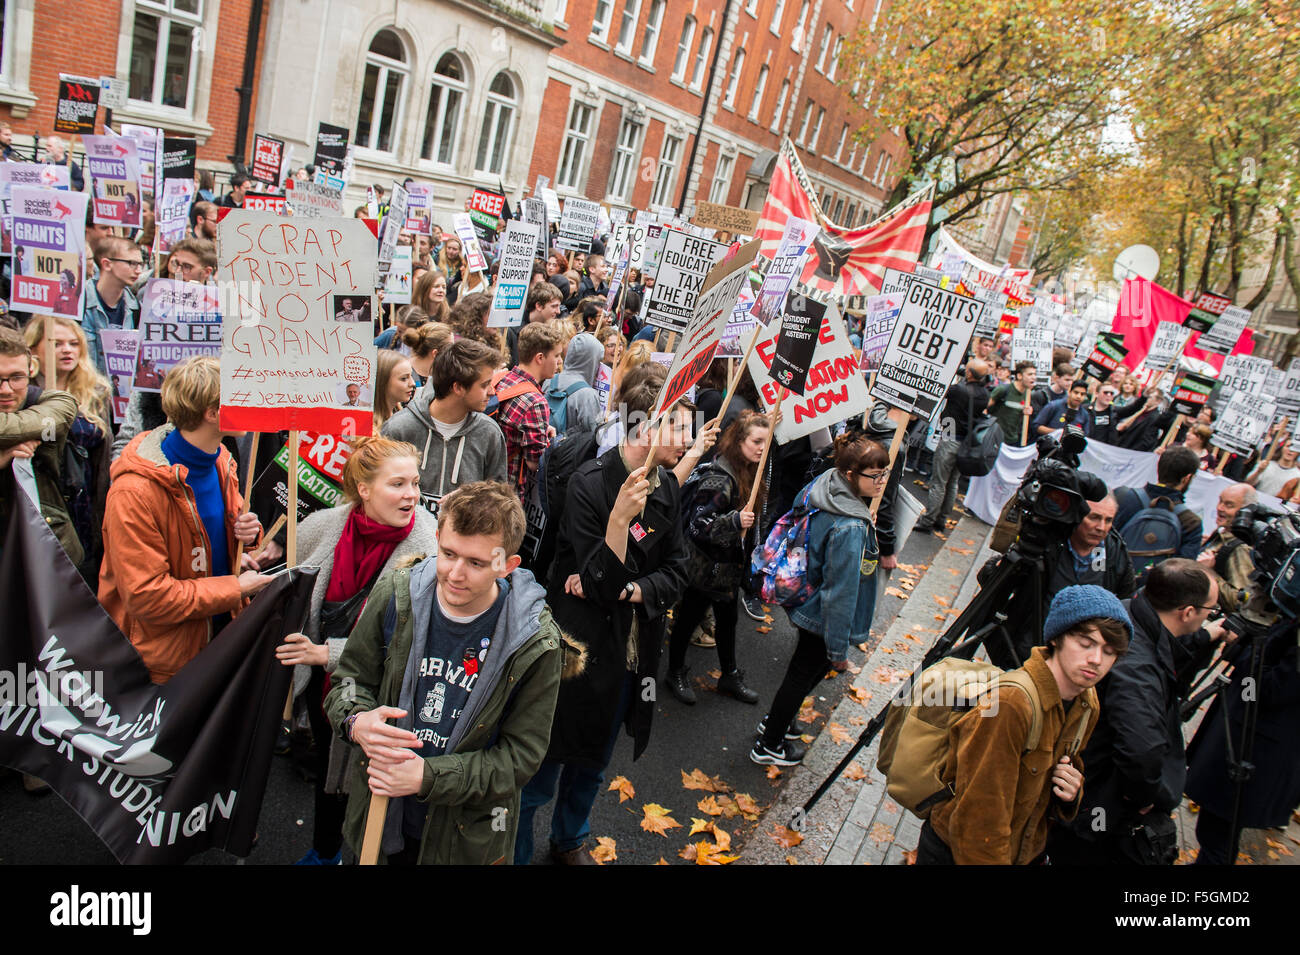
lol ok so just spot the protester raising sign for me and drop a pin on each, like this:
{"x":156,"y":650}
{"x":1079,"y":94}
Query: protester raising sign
{"x":1242,"y":424}
{"x":469,"y":246}
{"x":178,"y":320}
{"x":268,"y":156}
{"x":835,"y":389}
{"x":1105,"y":358}
{"x":77,"y":109}
{"x":700,"y":337}
{"x":578,"y":224}
{"x":159,"y":772}
{"x":514,"y":274}
{"x":331,"y":147}
{"x":801,"y":322}
{"x":34,"y":174}
{"x":1167,"y":345}
{"x":120,"y":346}
{"x":1190,"y":394}
{"x":287,"y":362}
{"x":685,"y":262}
{"x":928,"y":343}
{"x":49,"y":246}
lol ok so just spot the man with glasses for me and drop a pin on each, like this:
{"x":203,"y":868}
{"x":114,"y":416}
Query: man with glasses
{"x":205,"y":221}
{"x":109,"y":302}
{"x":1106,"y":416}
{"x":192,"y":260}
{"x":1136,"y":761}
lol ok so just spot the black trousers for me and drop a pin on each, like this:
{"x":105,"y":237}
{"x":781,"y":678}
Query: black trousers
{"x":932,"y":850}
{"x":694,"y":605}
{"x":1214,"y":833}
{"x":806,"y":669}
{"x":327,"y":827}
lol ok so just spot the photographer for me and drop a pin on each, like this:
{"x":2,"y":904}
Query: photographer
{"x":1135,"y":759}
{"x":1224,"y":554}
{"x":1094,"y":553}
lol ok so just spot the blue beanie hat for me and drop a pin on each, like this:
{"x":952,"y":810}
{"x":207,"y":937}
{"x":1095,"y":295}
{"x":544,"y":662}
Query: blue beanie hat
{"x":1083,"y":602}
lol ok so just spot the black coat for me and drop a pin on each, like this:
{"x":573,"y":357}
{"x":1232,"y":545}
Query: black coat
{"x":1136,"y":756}
{"x":1273,"y":790}
{"x":588,"y":703}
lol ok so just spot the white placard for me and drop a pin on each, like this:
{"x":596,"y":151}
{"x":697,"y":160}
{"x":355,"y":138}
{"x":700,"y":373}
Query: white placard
{"x":514,"y":274}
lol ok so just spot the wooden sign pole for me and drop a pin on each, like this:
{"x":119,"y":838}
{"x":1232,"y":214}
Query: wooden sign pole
{"x":248,"y":492}
{"x":1173,"y":430}
{"x":50,"y":369}
{"x":374,"y":836}
{"x":291,"y":534}
{"x":900,"y":419}
{"x":767,"y":447}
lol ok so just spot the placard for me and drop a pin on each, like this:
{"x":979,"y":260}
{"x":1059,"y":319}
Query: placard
{"x":928,"y":344}
{"x":287,"y":361}
{"x":713,"y":215}
{"x":1288,"y":397}
{"x":39,"y":175}
{"x":485,"y":209}
{"x":120,"y":347}
{"x":172,"y":214}
{"x":1206,"y":311}
{"x":321,"y":458}
{"x":112,"y":92}
{"x":1244,"y":373}
{"x":312,"y":200}
{"x":397,"y":280}
{"x":801,"y":322}
{"x":268,"y":157}
{"x":797,"y":235}
{"x":49,"y":248}
{"x":740,"y":325}
{"x":149,"y":150}
{"x":331,"y":147}
{"x":178,"y":156}
{"x":469,"y":246}
{"x":178,"y":320}
{"x":394,"y":220}
{"x":1222,"y":337}
{"x":877,"y":326}
{"x":685,"y":262}
{"x":264,"y":202}
{"x":514,"y":274}
{"x":1166,"y":345}
{"x":552,"y":200}
{"x":114,"y":168}
{"x":1241,"y":426}
{"x":1033,"y":343}
{"x":419,"y":208}
{"x":534,"y":211}
{"x":1105,"y":358}
{"x":1190,"y":393}
{"x":77,"y":109}
{"x":835,"y":388}
{"x":578,"y":224}
{"x":711,"y":307}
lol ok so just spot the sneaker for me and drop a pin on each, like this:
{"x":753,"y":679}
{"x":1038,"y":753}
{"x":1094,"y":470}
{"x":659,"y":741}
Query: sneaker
{"x":679,"y":685}
{"x":795,"y":731}
{"x":754,"y":608}
{"x":702,"y":639}
{"x":733,"y":684}
{"x":788,"y":752}
{"x":284,"y":741}
{"x":923,"y":528}
{"x":315,"y":858}
{"x":575,"y":856}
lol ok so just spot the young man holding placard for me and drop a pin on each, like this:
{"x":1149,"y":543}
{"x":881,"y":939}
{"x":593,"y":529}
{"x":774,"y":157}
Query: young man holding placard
{"x":1010,"y":403}
{"x":109,"y":302}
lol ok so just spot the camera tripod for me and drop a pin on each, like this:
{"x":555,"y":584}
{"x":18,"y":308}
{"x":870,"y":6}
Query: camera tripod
{"x":1017,"y":583}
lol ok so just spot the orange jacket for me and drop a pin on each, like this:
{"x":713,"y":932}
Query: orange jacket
{"x":156,"y":579}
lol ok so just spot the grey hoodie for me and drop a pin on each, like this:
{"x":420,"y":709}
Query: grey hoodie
{"x":581,"y":362}
{"x":831,"y":493}
{"x":476,"y":452}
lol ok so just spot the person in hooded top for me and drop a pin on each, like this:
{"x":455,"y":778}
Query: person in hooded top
{"x":572,"y":393}
{"x":458,"y":444}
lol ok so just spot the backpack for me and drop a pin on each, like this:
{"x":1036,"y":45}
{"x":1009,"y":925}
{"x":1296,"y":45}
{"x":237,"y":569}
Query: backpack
{"x":559,"y":463}
{"x":980,"y":448}
{"x":779,"y":566}
{"x":497,"y":398}
{"x":557,"y":399}
{"x":914,"y":751}
{"x":1154,"y":533}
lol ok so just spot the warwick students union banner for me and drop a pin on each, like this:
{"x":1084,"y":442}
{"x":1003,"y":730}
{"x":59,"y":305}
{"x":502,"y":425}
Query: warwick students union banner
{"x":158,"y":772}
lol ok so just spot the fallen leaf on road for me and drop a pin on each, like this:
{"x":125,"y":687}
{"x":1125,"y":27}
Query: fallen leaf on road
{"x":839,"y":734}
{"x":706,"y":854}
{"x":604,"y":851}
{"x":887,"y":675}
{"x":657,"y":819}
{"x":859,"y":695}
{"x":698,"y":825}
{"x":942,"y":537}
{"x":721,"y":836}
{"x":967,"y":540}
{"x":864,"y":646}
{"x":624,"y":788}
{"x":697,"y":779}
{"x":662,"y":861}
{"x":886,"y":649}
{"x":895,"y":592}
{"x":786,"y":837}
{"x":791,"y":860}
{"x":763,"y":629}
{"x":745,"y":803}
{"x":963,"y":550}
{"x":831,"y":674}
{"x":909,"y":857}
{"x":689,"y":853}
{"x":773,"y":772}
{"x":855,"y":771}
{"x":709,"y":805}
{"x":854,"y":669}
{"x":857,"y":721}
{"x":941,"y":601}
{"x":881,"y":833}
{"x":911,"y":636}
{"x":715,"y":673}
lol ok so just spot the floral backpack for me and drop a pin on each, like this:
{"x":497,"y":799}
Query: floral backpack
{"x":779,"y":566}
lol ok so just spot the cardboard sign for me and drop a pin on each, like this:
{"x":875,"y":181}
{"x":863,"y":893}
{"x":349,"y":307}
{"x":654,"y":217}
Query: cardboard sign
{"x":287,"y":360}
{"x":1222,"y":338}
{"x":713,"y":215}
{"x":801,"y":322}
{"x":263,"y":202}
{"x":835,"y":388}
{"x":178,"y":320}
{"x":268,"y":157}
{"x":114,"y":169}
{"x":1167,"y":343}
{"x":313,"y":201}
{"x":928,"y":343}
{"x":331,"y":147}
{"x":77,"y":109}
{"x":740,"y":325}
{"x":578,"y":224}
{"x":112,"y":92}
{"x":786,"y":264}
{"x":149,"y":150}
{"x":710,"y":309}
{"x":1244,"y":373}
{"x":35,"y":174}
{"x":877,"y":326}
{"x":49,"y":248}
{"x":120,"y":347}
{"x":172,"y":213}
{"x":1206,"y":311}
{"x":514,"y":274}
{"x":1288,"y":396}
{"x":394,"y":220}
{"x":1033,"y":343}
{"x":552,"y":200}
{"x":485,"y":209}
{"x":1105,"y":358}
{"x":419,"y":208}
{"x":685,"y":263}
{"x":534,"y":211}
{"x":1241,"y":426}
{"x":397,"y":281}
{"x":321,"y":458}
{"x":469,"y":245}
{"x":178,"y":157}
{"x":1190,"y":393}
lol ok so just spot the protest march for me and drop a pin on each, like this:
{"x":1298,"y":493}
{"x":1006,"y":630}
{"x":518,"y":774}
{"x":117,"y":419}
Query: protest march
{"x":356,"y":511}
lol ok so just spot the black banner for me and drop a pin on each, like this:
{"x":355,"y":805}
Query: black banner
{"x":158,"y":772}
{"x":801,"y":322}
{"x":77,"y":110}
{"x":179,"y":154}
{"x":1191,"y":392}
{"x":1105,"y":358}
{"x":331,"y":147}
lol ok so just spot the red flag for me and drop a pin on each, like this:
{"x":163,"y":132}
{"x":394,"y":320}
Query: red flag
{"x":1142,"y":305}
{"x":842,"y":261}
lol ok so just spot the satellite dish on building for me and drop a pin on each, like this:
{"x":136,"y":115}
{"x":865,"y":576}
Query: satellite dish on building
{"x":1136,"y":261}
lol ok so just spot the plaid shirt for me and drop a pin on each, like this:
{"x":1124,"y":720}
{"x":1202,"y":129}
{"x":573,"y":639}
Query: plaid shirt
{"x":525,"y":420}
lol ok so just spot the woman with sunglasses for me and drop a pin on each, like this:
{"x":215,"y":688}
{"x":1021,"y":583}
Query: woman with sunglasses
{"x":842,"y":555}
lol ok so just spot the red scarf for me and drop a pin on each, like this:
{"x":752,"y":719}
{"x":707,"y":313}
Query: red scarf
{"x":363,"y":548}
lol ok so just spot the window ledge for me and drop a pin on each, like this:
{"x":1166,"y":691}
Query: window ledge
{"x":168,"y":119}
{"x":679,"y":84}
{"x":597,"y":41}
{"x":623,"y":55}
{"x":648,"y":67}
{"x":20,"y":101}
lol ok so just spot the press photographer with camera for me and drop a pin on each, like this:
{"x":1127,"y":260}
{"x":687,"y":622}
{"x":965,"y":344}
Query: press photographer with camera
{"x":1224,"y":553}
{"x":1094,"y":553}
{"x":1136,"y":758}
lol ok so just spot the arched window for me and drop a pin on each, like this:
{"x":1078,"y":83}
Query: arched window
{"x":498,"y":120}
{"x":381,"y":92}
{"x":442,"y":121}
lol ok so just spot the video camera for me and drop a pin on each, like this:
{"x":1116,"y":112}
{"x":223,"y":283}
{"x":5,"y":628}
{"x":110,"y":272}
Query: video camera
{"x":1274,"y":539}
{"x":1054,"y":493}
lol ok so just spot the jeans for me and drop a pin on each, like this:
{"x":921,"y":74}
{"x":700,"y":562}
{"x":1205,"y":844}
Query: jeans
{"x":687,"y":617}
{"x":806,"y":669}
{"x":578,"y":785}
{"x":943,"y":485}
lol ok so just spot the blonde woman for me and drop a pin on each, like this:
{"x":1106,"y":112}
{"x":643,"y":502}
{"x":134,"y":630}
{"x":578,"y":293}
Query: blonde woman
{"x":88,"y":456}
{"x":424,"y":343}
{"x":430,"y":293}
{"x":394,"y":386}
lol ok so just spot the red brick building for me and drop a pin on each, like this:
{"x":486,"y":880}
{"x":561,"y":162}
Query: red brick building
{"x":182,"y":61}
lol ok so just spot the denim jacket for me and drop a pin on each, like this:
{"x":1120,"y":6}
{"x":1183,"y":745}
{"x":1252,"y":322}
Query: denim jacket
{"x":94,"y":319}
{"x":842,"y":563}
